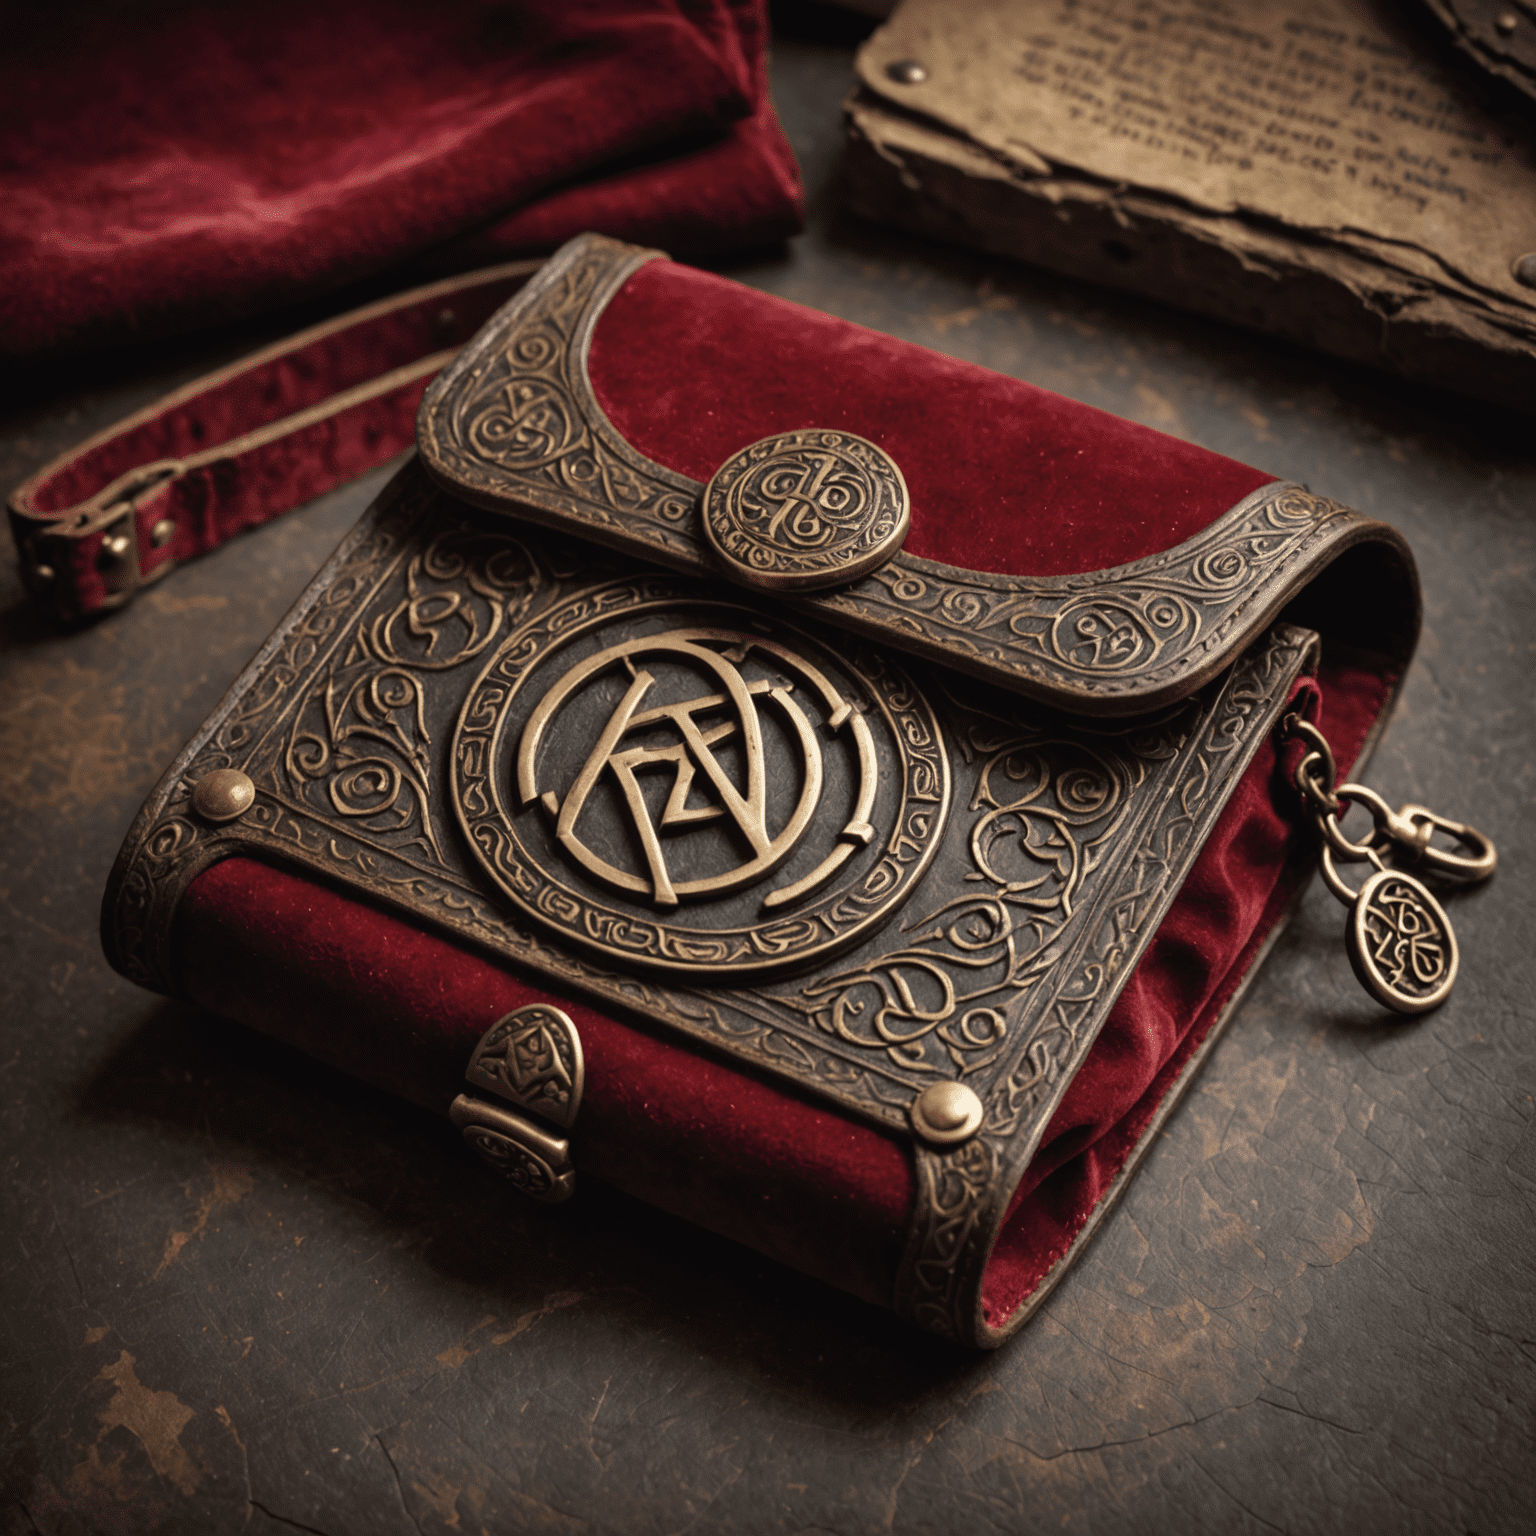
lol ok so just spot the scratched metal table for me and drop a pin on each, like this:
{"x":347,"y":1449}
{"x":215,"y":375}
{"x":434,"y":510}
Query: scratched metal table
{"x":243,"y":1293}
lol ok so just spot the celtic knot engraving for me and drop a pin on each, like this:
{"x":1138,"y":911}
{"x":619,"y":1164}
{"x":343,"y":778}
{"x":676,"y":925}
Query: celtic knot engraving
{"x":513,"y":424}
{"x":532,"y":1058}
{"x":1400,"y":943}
{"x":527,"y":425}
{"x":364,"y":739}
{"x":806,"y":509}
{"x":1129,"y":628}
{"x":943,"y":1001}
{"x":953,"y":1188}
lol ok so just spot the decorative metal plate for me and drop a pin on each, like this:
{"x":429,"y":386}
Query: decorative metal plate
{"x":512,"y":425}
{"x":680,"y":783}
{"x":803,"y":510}
{"x":387,"y":715}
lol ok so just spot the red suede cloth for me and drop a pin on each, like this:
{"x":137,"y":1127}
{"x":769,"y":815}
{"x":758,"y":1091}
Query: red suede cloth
{"x":794,"y":1179}
{"x":168,"y":163}
{"x":403,"y":1009}
{"x":1004,"y":476}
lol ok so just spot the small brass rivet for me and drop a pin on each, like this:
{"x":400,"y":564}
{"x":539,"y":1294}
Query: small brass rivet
{"x":223,"y":795}
{"x":163,"y":532}
{"x":906,"y":72}
{"x":43,"y":573}
{"x":1506,"y":22}
{"x":1524,"y":269}
{"x":116,"y":547}
{"x":946,"y":1113}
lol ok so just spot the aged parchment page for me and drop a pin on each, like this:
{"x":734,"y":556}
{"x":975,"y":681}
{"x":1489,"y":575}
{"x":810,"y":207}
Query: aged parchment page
{"x":1321,"y":125}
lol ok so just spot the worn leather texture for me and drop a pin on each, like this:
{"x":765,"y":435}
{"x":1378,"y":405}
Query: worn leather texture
{"x":800,"y":1181}
{"x":1012,"y":476}
{"x":167,"y":165}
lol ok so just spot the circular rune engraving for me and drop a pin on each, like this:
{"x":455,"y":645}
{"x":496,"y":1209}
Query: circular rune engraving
{"x":808,"y":509}
{"x":1401,"y":944}
{"x":678,"y":783}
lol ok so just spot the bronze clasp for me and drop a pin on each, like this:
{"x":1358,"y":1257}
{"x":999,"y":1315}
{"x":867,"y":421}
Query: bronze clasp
{"x":532,"y":1058}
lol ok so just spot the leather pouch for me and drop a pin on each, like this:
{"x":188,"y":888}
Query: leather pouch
{"x":828,"y":790}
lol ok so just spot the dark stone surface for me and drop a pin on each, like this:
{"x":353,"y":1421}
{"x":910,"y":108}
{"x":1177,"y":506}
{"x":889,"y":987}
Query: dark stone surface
{"x":243,"y":1293}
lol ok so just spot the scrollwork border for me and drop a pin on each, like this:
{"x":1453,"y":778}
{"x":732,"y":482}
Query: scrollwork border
{"x":1118,"y":641}
{"x":1048,"y":1032}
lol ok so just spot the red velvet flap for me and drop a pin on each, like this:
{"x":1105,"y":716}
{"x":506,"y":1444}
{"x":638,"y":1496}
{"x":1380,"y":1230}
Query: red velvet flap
{"x":1004,"y":476}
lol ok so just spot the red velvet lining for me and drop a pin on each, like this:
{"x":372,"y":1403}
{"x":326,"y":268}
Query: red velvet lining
{"x":167,"y":163}
{"x":1237,"y":890}
{"x":1003,"y":476}
{"x":402,"y":1009}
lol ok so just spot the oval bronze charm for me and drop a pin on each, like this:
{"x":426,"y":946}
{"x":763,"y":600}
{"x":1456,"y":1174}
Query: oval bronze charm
{"x":671,"y":779}
{"x":808,"y":509}
{"x":1401,"y":944}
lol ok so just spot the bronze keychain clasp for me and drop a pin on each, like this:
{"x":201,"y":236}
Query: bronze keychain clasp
{"x":1401,"y":944}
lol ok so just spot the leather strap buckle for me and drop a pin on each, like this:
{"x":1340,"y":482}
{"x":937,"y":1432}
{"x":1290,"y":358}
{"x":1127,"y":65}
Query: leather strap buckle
{"x":352,"y":383}
{"x":97,"y":559}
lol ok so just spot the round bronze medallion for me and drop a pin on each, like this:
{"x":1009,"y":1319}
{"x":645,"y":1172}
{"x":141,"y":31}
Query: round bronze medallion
{"x":673,"y":780}
{"x":803,"y":510}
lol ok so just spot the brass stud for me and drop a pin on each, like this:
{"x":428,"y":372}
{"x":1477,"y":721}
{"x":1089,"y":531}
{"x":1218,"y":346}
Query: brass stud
{"x":1524,"y":269}
{"x":1506,"y":22}
{"x":116,"y":547}
{"x":43,"y":573}
{"x":223,"y":795}
{"x":163,"y":532}
{"x":906,"y":72}
{"x":946,"y":1113}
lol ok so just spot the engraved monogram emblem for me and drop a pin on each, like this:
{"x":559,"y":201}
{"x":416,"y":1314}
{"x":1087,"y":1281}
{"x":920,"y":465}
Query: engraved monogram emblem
{"x":673,"y":780}
{"x":802,"y":510}
{"x":686,"y":738}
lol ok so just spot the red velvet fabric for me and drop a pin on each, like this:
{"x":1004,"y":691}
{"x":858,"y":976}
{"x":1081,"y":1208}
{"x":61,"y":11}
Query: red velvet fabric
{"x":403,"y":1009}
{"x":794,"y":1179}
{"x":1238,"y":889}
{"x":1003,"y":476}
{"x":723,"y":193}
{"x":169,"y":162}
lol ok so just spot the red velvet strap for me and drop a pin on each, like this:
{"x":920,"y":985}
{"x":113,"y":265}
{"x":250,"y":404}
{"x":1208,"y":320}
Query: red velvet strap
{"x":242,"y":445}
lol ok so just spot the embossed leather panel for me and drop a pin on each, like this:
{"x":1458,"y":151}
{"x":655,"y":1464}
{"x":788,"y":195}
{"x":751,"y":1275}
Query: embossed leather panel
{"x":513,"y":425}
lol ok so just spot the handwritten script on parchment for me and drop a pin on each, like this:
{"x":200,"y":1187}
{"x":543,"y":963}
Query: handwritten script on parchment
{"x":1313,"y":114}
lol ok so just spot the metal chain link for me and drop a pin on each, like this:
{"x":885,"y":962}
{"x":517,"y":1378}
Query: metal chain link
{"x":1403,"y":835}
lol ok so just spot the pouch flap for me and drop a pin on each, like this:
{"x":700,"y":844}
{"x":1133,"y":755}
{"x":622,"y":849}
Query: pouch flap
{"x":837,"y":464}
